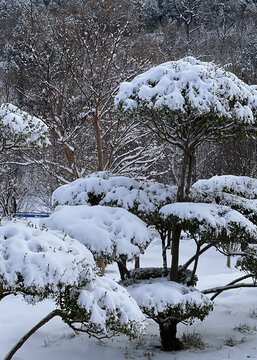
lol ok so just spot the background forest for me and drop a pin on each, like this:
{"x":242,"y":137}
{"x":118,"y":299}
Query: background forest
{"x":63,"y":61}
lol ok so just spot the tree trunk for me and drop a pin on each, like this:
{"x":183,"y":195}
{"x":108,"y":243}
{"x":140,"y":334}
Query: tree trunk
{"x":175,"y":252}
{"x":137,"y":262}
{"x":164,"y":255}
{"x":101,"y":264}
{"x":124,"y":273}
{"x":168,"y":336}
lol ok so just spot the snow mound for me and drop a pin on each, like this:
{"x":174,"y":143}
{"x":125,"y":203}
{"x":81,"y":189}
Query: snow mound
{"x":22,"y":129}
{"x":106,"y":231}
{"x":190,"y":83}
{"x":41,"y":261}
{"x":104,"y":189}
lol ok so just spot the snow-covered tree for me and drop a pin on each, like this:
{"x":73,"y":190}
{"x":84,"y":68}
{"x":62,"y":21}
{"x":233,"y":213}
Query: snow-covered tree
{"x":189,"y":102}
{"x":39,"y":264}
{"x":209,"y":224}
{"x":186,"y":103}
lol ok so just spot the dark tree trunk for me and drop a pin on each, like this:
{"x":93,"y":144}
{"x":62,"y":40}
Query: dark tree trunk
{"x":168,"y":336}
{"x":124,"y":272}
{"x":137,"y":262}
{"x":164,"y":255}
{"x":175,"y":252}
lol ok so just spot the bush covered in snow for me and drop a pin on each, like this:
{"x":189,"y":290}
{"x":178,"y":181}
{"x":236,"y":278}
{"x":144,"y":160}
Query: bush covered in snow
{"x":21,"y":130}
{"x":40,"y":264}
{"x":103,"y":188}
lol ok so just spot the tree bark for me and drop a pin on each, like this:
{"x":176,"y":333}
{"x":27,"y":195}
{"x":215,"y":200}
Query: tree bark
{"x":168,"y":333}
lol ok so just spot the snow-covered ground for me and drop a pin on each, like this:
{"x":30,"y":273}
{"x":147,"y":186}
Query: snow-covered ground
{"x":233,"y":309}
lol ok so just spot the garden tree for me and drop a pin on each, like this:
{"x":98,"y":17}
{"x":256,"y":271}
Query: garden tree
{"x":40,"y":264}
{"x":187,"y":103}
{"x":142,"y":198}
{"x":110,"y":233}
{"x":209,"y":225}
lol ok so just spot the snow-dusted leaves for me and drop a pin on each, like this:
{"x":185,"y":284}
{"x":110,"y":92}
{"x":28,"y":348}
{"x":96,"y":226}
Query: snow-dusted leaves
{"x":102,"y":308}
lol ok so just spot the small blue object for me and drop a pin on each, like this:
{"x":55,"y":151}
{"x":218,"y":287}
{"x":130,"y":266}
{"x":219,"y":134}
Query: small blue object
{"x":31,"y":215}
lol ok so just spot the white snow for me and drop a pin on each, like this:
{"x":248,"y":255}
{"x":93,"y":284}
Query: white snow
{"x":189,"y":82}
{"x":17,"y":126}
{"x":106,"y":231}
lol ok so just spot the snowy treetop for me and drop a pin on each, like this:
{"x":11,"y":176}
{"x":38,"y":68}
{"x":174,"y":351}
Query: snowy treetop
{"x":41,"y":260}
{"x":210,"y":219}
{"x":162,"y":296}
{"x":104,"y":189}
{"x":243,"y":186}
{"x":106,"y":231}
{"x":18,"y":128}
{"x":190,"y":84}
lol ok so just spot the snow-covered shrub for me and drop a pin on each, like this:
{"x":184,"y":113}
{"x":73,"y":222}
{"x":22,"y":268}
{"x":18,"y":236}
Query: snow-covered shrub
{"x":142,"y":198}
{"x":107,"y":232}
{"x":169,"y":303}
{"x":21,"y":130}
{"x":103,"y":188}
{"x":238,"y":192}
{"x":40,"y":264}
{"x":210,"y":222}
